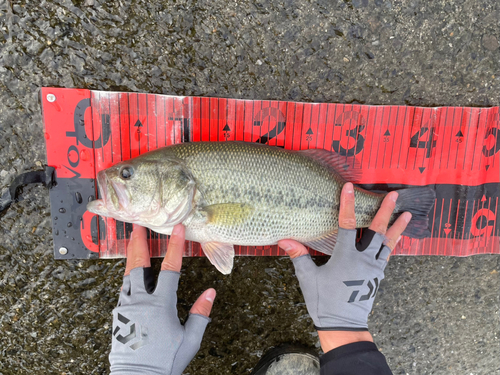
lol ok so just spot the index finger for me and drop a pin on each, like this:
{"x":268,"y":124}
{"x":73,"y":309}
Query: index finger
{"x":175,"y":249}
{"x":347,"y":217}
{"x":137,"y":250}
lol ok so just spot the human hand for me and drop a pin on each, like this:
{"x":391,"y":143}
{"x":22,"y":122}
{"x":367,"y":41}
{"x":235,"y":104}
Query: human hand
{"x":339,"y":295}
{"x":148,"y":337}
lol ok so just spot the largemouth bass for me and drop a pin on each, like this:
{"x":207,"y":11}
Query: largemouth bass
{"x":235,"y":193}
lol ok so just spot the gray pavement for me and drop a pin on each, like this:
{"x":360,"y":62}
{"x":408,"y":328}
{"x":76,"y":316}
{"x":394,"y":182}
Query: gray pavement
{"x":433,"y":315}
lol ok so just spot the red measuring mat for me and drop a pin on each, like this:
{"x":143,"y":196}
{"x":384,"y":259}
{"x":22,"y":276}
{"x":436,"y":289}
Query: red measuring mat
{"x":452,"y":149}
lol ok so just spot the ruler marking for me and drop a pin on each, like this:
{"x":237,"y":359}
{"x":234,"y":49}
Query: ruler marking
{"x":388,"y":126}
{"x":356,"y":127}
{"x":382,"y":128}
{"x":449,"y":143}
{"x":181,"y":123}
{"x":166,"y":119}
{"x":449,"y":218}
{"x":120,"y":128}
{"x":341,"y":128}
{"x":418,"y":138}
{"x":138,"y":117}
{"x":496,"y":136}
{"x":310,"y":121}
{"x":467,"y":141}
{"x":174,"y":122}
{"x":97,"y":98}
{"x":147,"y":122}
{"x":456,"y":220}
{"x":227,"y":114}
{"x":481,"y":151}
{"x":481,"y":223}
{"x":493,"y":230}
{"x":411,"y":119}
{"x":317,"y":126}
{"x":394,"y":137}
{"x":158,"y":245}
{"x":325,"y":125}
{"x":477,"y":238}
{"x":253,"y":120}
{"x":302,"y":125}
{"x":402,"y":133}
{"x":235,"y":119}
{"x":129,"y":126}
{"x":463,"y":226}
{"x":381,"y":125}
{"x":371,"y":138}
{"x":443,"y":137}
{"x":496,"y":217}
{"x":244,"y":119}
{"x":367,"y":122}
{"x":156,"y":120}
{"x":149,"y":231}
{"x":474,"y":214}
{"x":431,"y":133}
{"x":441,"y":223}
{"x":434,"y":223}
{"x":251,"y":129}
{"x":293,"y":122}
{"x":334,"y":122}
{"x":111,"y":129}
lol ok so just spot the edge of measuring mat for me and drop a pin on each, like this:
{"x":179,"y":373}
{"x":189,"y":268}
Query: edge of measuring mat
{"x":84,"y":135}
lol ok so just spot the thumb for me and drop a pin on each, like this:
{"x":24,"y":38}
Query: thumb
{"x":204,"y":303}
{"x":293,"y":248}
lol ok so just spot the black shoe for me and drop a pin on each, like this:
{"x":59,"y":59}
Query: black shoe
{"x":288,"y":360}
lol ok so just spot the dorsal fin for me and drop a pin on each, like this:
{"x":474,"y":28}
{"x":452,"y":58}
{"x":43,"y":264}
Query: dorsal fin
{"x":347,"y":167}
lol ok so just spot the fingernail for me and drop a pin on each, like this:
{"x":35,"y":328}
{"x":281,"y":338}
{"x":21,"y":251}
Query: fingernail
{"x":407,"y":217}
{"x":348,"y":188}
{"x":177,"y":230}
{"x":394,"y":197}
{"x":210,"y":295}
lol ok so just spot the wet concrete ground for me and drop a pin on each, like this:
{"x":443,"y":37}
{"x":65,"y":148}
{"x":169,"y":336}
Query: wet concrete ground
{"x":433,"y":315}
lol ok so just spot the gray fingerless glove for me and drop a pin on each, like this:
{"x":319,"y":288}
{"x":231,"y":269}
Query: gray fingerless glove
{"x":147,"y":335}
{"x":339,"y":295}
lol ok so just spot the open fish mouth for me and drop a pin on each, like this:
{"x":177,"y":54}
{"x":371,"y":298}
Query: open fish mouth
{"x":114,"y":196}
{"x":110,"y":198}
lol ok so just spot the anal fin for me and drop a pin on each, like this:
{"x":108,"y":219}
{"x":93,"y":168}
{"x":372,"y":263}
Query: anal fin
{"x":221,"y":255}
{"x":324,"y":244}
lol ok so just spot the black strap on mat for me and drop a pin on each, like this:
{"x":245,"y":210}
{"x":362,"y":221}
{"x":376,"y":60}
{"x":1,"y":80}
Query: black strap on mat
{"x":46,"y":177}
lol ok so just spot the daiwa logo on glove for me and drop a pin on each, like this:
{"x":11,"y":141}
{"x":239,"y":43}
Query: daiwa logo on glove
{"x":130,"y":337}
{"x":371,"y":293}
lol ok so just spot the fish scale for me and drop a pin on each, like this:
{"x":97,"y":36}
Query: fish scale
{"x":273,"y":182}
{"x":235,"y":193}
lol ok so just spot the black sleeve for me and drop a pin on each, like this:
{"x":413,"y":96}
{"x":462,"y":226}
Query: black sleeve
{"x":361,"y":358}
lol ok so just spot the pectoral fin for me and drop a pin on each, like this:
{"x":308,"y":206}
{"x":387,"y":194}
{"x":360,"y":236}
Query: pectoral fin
{"x":228,"y":213}
{"x":221,"y":255}
{"x":324,"y":244}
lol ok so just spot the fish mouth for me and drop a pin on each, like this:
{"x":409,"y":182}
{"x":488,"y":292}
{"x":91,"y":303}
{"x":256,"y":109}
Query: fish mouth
{"x":110,"y":199}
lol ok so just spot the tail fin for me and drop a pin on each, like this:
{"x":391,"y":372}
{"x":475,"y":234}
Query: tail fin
{"x":419,"y":202}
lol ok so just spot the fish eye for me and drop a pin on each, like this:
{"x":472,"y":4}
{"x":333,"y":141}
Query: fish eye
{"x":126,"y":172}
